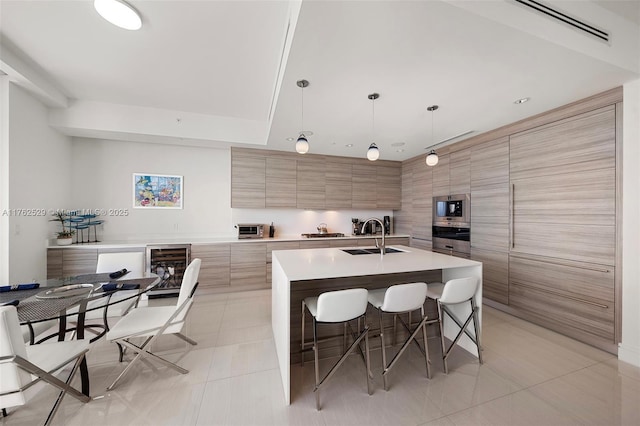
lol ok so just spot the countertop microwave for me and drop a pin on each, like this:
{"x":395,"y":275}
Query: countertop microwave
{"x":452,"y":210}
{"x":250,"y":230}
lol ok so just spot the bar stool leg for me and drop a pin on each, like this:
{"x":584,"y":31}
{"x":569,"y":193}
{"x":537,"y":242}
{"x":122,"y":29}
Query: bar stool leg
{"x":384,"y":352}
{"x":302,"y":341}
{"x":316,"y":364}
{"x":426,"y":345}
{"x":344,"y":337}
{"x":444,"y":349}
{"x":366,"y":349}
{"x":394,"y":340}
{"x":475,"y":328}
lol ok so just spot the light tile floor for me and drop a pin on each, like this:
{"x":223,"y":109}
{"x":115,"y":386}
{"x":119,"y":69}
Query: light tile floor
{"x":531,"y":376}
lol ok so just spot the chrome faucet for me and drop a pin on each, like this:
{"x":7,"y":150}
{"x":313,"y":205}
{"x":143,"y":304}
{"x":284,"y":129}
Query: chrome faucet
{"x":382,"y":249}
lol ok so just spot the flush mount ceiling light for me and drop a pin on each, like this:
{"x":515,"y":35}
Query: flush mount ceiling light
{"x":119,"y":13}
{"x":302,"y":144}
{"x":432,"y":157}
{"x":521,"y":101}
{"x":373,"y":153}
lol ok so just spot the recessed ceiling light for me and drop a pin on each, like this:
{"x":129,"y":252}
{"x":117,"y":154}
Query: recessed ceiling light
{"x":119,"y":13}
{"x":349,"y":145}
{"x":521,"y":101}
{"x":397,"y":144}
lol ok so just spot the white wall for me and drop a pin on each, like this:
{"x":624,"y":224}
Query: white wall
{"x":39,"y":178}
{"x":4,"y":178}
{"x":629,"y":350}
{"x":102,"y":179}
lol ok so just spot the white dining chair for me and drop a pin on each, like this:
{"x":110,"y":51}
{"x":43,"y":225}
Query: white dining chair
{"x":456,"y":292}
{"x":118,"y":303}
{"x":150,"y":322}
{"x":400,"y":299}
{"x":22,"y":366}
{"x":331,"y":307}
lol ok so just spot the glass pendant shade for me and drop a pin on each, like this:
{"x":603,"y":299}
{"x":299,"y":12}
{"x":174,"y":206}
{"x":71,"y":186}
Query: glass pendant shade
{"x":373,"y":153}
{"x":119,"y":13}
{"x":432,"y":158}
{"x":302,"y":144}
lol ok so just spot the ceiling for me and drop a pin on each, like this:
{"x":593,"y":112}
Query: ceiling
{"x":220,"y":73}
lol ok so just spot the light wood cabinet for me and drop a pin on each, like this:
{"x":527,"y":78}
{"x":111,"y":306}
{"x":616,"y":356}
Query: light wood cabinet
{"x":422,"y":200}
{"x":460,"y":171}
{"x":388,"y":181}
{"x":55,"y":263}
{"x":311,"y":183}
{"x":278,"y":245}
{"x":215,"y":269}
{"x":495,"y":274}
{"x":564,"y":198}
{"x":77,"y":261}
{"x":275,"y":179}
{"x":403,"y":218}
{"x":338,"y":176}
{"x":363,"y":186}
{"x":248,"y":265}
{"x":441,"y":176}
{"x":248,"y":179}
{"x":490,"y":163}
{"x":571,"y":297}
{"x":281,"y":182}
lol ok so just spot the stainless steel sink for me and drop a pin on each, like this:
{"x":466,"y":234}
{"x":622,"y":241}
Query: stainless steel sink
{"x":372,"y":250}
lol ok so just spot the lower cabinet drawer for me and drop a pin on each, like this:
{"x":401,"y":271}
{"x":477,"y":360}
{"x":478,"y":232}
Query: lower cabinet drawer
{"x":573,"y":298}
{"x":495,"y":274}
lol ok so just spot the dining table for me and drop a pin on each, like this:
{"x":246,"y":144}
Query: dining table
{"x":60,"y":298}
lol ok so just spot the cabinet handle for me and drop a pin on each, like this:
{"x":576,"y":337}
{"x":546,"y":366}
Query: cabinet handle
{"x":546,"y":260}
{"x":512,"y":211}
{"x":449,"y":247}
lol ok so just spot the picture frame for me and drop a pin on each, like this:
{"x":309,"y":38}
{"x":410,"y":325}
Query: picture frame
{"x":154,"y":191}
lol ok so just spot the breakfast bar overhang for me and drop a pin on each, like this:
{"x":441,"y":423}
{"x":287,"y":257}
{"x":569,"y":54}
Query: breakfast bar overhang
{"x":293,"y":268}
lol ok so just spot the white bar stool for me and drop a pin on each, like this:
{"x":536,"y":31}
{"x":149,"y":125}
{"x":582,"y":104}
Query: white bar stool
{"x":332,"y":307}
{"x":454,"y":292}
{"x":400,"y":299}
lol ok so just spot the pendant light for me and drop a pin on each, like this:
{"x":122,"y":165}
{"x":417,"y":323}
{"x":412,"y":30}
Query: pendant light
{"x":373,"y":153}
{"x":302,"y":144}
{"x":119,"y":13}
{"x":432,"y":157}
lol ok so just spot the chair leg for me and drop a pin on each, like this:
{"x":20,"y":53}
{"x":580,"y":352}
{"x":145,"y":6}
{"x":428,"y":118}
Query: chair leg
{"x":444,"y":349}
{"x":4,"y":412}
{"x":368,"y":363}
{"x":476,"y":329}
{"x":344,"y":337}
{"x":426,"y":344}
{"x":302,"y":338}
{"x":316,"y":364}
{"x":384,"y":352}
{"x":394,"y":340}
{"x":187,"y":339}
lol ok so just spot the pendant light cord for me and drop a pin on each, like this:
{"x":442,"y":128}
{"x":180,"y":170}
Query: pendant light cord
{"x":302,"y":110}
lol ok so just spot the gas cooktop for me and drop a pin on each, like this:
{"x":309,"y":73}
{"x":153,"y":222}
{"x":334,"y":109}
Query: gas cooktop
{"x":327,"y":235}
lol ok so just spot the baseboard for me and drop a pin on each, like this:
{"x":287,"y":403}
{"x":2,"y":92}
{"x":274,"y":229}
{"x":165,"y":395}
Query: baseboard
{"x":629,"y":354}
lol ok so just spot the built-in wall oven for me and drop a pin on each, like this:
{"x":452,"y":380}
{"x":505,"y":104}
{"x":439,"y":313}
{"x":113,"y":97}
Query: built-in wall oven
{"x":451,"y":229}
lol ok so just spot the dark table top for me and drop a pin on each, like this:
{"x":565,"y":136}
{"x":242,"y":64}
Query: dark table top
{"x":34,"y":309}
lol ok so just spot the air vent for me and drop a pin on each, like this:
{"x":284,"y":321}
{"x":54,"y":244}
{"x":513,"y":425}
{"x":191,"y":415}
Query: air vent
{"x":566,"y":19}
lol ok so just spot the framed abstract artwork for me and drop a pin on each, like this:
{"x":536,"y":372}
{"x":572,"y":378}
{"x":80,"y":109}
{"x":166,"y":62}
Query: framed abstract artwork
{"x":157,"y":191}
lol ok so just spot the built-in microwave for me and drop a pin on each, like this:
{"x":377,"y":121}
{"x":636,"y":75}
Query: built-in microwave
{"x":452,"y":210}
{"x":250,"y":230}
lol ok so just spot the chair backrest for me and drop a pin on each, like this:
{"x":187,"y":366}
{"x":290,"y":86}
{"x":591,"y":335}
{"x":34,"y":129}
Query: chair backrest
{"x":341,"y":305}
{"x":12,"y":378}
{"x":111,"y":262}
{"x":459,"y":290}
{"x":404,"y":297}
{"x":189,"y":280}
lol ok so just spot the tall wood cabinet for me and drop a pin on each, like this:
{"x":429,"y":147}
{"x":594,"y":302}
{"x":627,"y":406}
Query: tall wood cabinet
{"x":489,"y":175}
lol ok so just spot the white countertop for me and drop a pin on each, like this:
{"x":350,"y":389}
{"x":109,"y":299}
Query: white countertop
{"x":308,"y":264}
{"x":214,"y":240}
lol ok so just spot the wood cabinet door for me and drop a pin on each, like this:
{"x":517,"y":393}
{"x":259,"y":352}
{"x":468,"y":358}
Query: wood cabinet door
{"x":215,"y":268}
{"x":77,"y":261}
{"x":363,"y":185}
{"x":389,"y":180}
{"x":311,"y":182}
{"x":441,"y":176}
{"x":280,"y":184}
{"x":495,"y":274}
{"x":574,"y":298}
{"x":490,"y":163}
{"x":564,"y":196}
{"x":403,"y":217}
{"x":249,"y":265}
{"x":54,"y":263}
{"x":460,"y":171}
{"x":422,"y":200}
{"x":248,"y":180}
{"x":338,"y":183}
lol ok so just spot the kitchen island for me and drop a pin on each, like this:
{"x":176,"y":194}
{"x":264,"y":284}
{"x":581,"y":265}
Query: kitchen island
{"x":311,"y":271}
